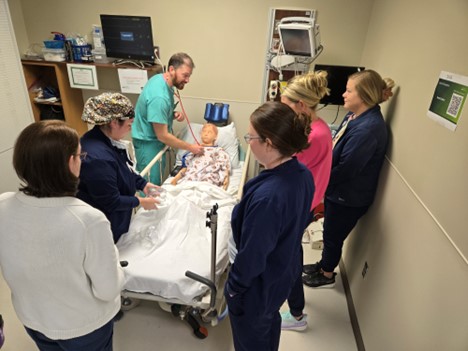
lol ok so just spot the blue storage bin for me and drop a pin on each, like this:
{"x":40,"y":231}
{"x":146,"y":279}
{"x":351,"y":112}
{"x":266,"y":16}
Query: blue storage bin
{"x":54,"y":44}
{"x":81,"y":50}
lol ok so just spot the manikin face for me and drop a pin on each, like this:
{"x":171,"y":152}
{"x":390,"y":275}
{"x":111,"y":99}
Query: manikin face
{"x":208,"y":134}
{"x":180,"y":76}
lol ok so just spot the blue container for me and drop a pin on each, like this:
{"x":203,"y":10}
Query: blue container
{"x":217,"y":113}
{"x":54,"y":44}
{"x":80,"y":51}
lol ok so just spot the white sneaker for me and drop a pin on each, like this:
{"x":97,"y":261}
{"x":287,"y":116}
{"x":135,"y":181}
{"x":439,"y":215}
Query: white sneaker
{"x":289,"y":322}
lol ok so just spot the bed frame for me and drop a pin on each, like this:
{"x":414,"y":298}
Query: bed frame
{"x":211,"y":307}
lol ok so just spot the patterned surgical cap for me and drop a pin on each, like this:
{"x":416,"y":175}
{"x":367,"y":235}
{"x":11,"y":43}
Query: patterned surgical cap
{"x":104,"y":108}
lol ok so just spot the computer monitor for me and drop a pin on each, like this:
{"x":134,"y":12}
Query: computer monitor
{"x":337,"y":79}
{"x":128,"y":37}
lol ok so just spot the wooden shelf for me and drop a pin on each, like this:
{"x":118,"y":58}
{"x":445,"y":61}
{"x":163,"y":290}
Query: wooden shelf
{"x":156,"y":67}
{"x":54,"y":74}
{"x":47,"y":73}
{"x":57,"y":103}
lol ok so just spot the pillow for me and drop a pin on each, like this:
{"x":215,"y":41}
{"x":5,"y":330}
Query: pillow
{"x":227,"y":139}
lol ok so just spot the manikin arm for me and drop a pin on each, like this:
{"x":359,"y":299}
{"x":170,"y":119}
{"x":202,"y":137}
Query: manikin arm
{"x":226,"y":180}
{"x":179,"y":176}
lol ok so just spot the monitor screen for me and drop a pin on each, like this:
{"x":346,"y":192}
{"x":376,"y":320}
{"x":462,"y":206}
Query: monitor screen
{"x":128,"y":37}
{"x":337,"y":79}
{"x":297,"y":39}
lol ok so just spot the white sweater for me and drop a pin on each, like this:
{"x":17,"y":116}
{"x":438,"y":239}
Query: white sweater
{"x":58,"y":257}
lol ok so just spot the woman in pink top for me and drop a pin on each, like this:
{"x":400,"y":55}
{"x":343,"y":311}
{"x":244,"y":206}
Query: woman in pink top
{"x":303,"y":93}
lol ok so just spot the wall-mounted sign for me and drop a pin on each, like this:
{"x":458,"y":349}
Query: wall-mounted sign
{"x":448,"y":100}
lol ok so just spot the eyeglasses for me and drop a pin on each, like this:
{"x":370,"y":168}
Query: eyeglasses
{"x":248,"y":138}
{"x":82,"y":155}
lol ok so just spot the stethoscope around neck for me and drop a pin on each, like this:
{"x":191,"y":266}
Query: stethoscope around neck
{"x":177,"y":95}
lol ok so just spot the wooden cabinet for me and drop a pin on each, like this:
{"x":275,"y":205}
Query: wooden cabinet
{"x":54,"y":74}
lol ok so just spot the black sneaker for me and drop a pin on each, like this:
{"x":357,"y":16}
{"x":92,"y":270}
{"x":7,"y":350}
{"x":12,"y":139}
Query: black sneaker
{"x":118,"y":316}
{"x":310,"y":269}
{"x":2,"y":336}
{"x":318,"y":280}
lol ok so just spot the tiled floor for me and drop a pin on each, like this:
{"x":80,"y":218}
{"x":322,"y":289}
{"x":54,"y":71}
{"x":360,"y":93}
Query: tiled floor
{"x":148,"y":327}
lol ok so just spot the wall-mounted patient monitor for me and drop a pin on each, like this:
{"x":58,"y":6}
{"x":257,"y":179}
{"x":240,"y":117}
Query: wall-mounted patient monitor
{"x":299,"y":36}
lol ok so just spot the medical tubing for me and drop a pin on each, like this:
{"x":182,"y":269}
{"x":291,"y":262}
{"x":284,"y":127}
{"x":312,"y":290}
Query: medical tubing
{"x":176,"y":93}
{"x":223,"y":314}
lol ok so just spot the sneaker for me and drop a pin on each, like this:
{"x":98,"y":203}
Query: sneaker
{"x":310,"y":269}
{"x":288,"y":322}
{"x":118,"y":316}
{"x":2,"y":336}
{"x":319,"y":280}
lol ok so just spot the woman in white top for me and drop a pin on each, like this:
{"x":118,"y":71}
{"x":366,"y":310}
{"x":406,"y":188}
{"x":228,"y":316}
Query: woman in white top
{"x":56,"y":252}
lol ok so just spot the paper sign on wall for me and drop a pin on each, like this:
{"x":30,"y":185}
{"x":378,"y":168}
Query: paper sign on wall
{"x":448,"y":100}
{"x":132,"y":80}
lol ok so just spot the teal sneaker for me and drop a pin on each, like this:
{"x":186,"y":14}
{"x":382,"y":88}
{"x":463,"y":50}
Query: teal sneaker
{"x":288,"y":322}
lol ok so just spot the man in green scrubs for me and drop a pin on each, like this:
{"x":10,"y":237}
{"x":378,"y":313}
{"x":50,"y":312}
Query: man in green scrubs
{"x":154,"y":114}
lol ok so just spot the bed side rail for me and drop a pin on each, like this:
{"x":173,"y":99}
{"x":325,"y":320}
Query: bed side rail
{"x":245,"y":171}
{"x":146,"y":171}
{"x":157,"y":158}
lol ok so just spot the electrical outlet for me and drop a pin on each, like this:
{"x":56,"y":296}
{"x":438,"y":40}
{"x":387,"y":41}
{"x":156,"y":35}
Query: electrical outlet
{"x":364,"y":269}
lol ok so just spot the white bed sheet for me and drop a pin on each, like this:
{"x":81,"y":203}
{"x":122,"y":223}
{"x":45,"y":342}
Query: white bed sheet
{"x":162,"y":245}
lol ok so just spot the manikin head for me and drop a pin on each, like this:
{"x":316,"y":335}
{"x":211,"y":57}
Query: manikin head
{"x":208,"y":134}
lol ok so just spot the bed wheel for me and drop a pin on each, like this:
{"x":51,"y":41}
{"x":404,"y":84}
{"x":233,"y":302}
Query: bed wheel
{"x":190,"y":315}
{"x":128,"y":303}
{"x":201,"y":333}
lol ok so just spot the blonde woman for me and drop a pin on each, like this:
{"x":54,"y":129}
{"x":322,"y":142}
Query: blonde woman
{"x":358,"y":154}
{"x":303,"y":94}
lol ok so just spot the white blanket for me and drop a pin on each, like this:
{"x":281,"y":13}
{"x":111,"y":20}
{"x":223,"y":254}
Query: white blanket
{"x":161,"y":245}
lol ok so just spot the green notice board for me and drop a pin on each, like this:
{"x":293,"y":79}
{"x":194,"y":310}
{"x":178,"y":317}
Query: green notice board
{"x":448,"y":100}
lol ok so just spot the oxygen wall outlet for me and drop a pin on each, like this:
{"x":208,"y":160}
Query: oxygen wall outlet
{"x":273,"y":90}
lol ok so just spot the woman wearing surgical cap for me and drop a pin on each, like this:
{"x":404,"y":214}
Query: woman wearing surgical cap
{"x":108,"y":180}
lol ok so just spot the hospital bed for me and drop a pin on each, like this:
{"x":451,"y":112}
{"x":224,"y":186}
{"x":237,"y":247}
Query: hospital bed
{"x":177,"y":255}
